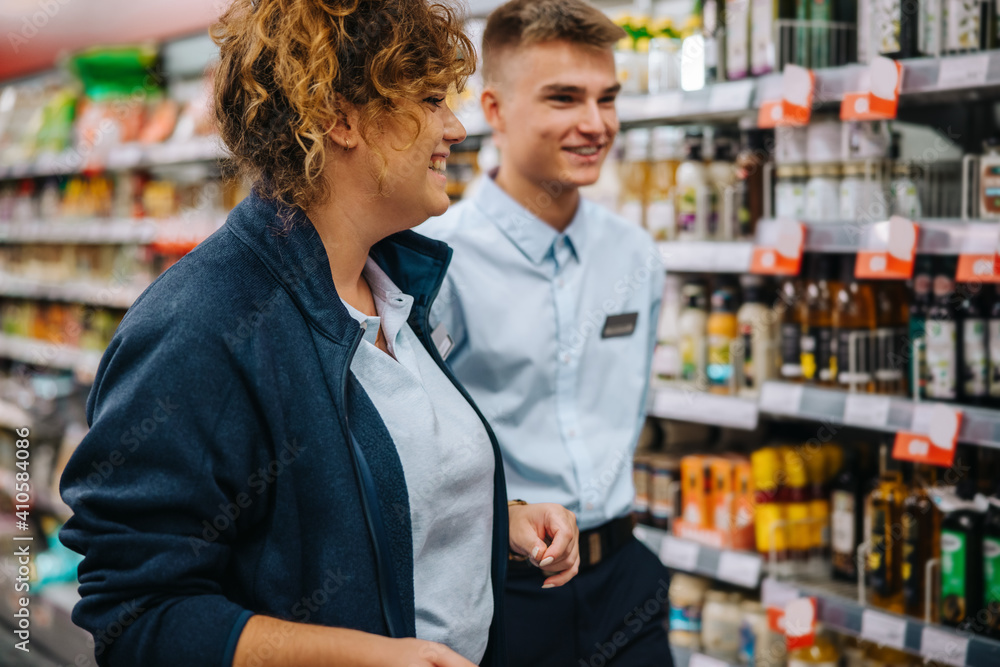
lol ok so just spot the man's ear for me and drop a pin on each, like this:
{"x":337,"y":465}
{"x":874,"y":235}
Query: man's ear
{"x":491,"y":102}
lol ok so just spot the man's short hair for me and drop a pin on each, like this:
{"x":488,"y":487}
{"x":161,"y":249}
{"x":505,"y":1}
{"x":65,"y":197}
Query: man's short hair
{"x":525,"y":22}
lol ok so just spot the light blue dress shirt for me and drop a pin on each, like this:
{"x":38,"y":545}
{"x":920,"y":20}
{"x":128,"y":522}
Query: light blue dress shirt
{"x":526,"y":307}
{"x":448,"y":464}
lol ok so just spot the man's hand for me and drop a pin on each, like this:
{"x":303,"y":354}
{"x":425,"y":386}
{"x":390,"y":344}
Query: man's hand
{"x":547,"y":534}
{"x":417,"y":653}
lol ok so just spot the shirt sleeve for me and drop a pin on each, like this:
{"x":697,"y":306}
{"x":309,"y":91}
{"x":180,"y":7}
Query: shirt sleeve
{"x":447,"y":311}
{"x":171,"y":433}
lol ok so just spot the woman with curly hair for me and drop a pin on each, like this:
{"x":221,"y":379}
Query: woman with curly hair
{"x":280,"y":468}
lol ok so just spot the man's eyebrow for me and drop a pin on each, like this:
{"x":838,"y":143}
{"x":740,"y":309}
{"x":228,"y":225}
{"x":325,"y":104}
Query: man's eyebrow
{"x":569,"y":89}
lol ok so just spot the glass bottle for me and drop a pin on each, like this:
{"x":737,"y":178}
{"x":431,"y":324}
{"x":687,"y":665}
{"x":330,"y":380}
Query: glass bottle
{"x":962,"y":559}
{"x":853,"y":324}
{"x":885,"y":504}
{"x":921,"y":524}
{"x":846,"y":501}
{"x":891,"y":316}
{"x":790,"y":302}
{"x":817,"y":337}
{"x":972,"y":350}
{"x":920,"y":303}
{"x":942,"y":336}
{"x":723,"y":333}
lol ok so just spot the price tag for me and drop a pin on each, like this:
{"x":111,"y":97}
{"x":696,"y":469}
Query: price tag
{"x":679,"y":554}
{"x":800,"y":623}
{"x":740,"y":569}
{"x":883,"y":629}
{"x":702,"y":660}
{"x":781,"y":398}
{"x":664,"y":105}
{"x":891,"y":250}
{"x":733,"y":96}
{"x":974,"y":264}
{"x":880,"y":99}
{"x":941,"y":646}
{"x":732,"y":257}
{"x":977,"y":268}
{"x":963,"y":71}
{"x":867,"y":410}
{"x":770,"y":115}
{"x":797,"y":86}
{"x":781,"y":255}
{"x":933,"y":435}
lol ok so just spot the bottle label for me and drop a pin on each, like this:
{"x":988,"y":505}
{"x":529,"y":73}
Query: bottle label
{"x":844,"y":541}
{"x":974,"y":350}
{"x":994,"y":376}
{"x":661,"y":501}
{"x":737,"y":32}
{"x":953,"y":548}
{"x":808,"y":354}
{"x":762,"y":44}
{"x":916,"y":330}
{"x":941,"y":359}
{"x":878,"y":577}
{"x":928,"y":29}
{"x":991,"y":573}
{"x":859,"y":352}
{"x":661,"y":219}
{"x":689,"y":358}
{"x":912,"y":570}
{"x":687,"y":618}
{"x":746,"y":336}
{"x":791,"y":351}
{"x":687,"y":209}
{"x":720,"y":368}
{"x":887,"y":14}
{"x":961,"y":24}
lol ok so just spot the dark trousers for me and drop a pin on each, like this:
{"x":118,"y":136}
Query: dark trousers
{"x":610,"y":615}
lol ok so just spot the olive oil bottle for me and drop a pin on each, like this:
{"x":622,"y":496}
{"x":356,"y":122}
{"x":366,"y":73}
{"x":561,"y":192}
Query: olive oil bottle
{"x":854,"y":327}
{"x":961,"y":595}
{"x":921,"y":523}
{"x":885,"y":509}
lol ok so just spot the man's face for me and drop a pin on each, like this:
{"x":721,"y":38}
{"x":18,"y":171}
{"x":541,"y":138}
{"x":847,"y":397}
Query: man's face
{"x":554,"y":116}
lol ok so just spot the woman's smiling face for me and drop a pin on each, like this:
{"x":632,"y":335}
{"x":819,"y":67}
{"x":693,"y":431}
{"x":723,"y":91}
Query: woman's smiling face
{"x":415,"y":181}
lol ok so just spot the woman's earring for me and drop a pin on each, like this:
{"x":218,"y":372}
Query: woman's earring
{"x":347,"y":147}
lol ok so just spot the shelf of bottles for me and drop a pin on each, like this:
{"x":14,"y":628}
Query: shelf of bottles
{"x":837,"y":603}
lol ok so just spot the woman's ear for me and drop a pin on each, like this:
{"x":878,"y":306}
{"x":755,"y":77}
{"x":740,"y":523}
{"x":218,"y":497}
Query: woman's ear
{"x":343,"y":129}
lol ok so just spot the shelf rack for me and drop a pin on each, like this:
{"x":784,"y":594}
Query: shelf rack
{"x":837,"y":604}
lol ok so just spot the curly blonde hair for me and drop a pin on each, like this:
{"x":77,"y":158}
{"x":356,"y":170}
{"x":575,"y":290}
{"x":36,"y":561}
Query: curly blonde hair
{"x":288,"y":68}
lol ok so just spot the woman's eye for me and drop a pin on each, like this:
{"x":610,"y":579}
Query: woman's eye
{"x":436,"y":101}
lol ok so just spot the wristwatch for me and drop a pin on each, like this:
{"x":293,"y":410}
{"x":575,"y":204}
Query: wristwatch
{"x":510,"y":554}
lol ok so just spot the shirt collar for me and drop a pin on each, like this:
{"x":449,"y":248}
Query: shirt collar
{"x":392,"y":305}
{"x":532,"y":236}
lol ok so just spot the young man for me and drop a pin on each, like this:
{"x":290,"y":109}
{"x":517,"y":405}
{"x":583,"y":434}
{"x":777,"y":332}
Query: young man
{"x":551,"y":306}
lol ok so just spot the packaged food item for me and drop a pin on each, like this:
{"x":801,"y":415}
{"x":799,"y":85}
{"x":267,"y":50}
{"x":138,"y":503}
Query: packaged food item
{"x":720,"y":625}
{"x":687,"y":599}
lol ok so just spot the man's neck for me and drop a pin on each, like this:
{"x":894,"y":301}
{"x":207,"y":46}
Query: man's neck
{"x":554,"y":206}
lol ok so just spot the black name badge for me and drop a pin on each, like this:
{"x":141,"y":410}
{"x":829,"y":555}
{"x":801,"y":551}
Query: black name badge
{"x":619,"y":325}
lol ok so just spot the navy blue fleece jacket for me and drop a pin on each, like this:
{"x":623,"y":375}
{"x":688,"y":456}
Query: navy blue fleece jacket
{"x":217,"y":479}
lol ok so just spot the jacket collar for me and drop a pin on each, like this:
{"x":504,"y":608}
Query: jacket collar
{"x":297,"y":258}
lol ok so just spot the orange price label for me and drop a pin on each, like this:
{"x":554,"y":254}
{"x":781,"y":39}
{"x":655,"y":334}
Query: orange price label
{"x":880,"y":100}
{"x":780,"y":254}
{"x":932,"y":437}
{"x":892,"y":248}
{"x":800,"y":623}
{"x":795,"y":105}
{"x":978,"y":268}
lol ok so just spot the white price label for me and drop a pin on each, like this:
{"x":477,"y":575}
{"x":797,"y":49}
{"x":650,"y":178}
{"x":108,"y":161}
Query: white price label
{"x":963,"y":72}
{"x":867,"y":410}
{"x":679,"y":554}
{"x":740,"y":569}
{"x":781,"y":398}
{"x":777,"y":594}
{"x":732,"y":256}
{"x":733,"y":96}
{"x":941,"y":646}
{"x":702,"y":660}
{"x":883,"y":629}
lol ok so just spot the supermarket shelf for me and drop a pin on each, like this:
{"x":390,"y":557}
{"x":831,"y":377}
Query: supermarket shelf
{"x":837,"y":604}
{"x":41,"y":353}
{"x":115,"y":231}
{"x":107,"y":295}
{"x":687,"y":403}
{"x":53,"y":632}
{"x":936,"y":237}
{"x":980,"y":426}
{"x":129,"y":156}
{"x":685,"y":657}
{"x":741,"y":568}
{"x":707,"y":256}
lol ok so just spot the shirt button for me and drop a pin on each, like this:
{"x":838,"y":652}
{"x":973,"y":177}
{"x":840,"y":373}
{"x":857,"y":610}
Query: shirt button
{"x":560,"y":283}
{"x":567,"y":358}
{"x":572,"y":433}
{"x":590,"y":506}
